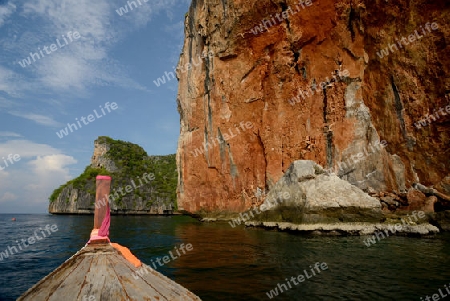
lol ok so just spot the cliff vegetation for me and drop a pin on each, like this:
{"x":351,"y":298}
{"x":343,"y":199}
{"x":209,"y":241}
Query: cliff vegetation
{"x":141,"y":184}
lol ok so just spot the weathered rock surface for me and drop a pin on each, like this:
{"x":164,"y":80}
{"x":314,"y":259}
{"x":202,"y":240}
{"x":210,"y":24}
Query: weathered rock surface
{"x":347,"y":228}
{"x":416,"y":198}
{"x":320,"y":197}
{"x":419,"y":201}
{"x":444,"y":186}
{"x":73,"y":201}
{"x":253,"y":76}
{"x":76,"y":201}
{"x":100,"y":158}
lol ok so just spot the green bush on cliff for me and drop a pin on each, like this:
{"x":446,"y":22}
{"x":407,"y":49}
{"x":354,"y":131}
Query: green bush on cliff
{"x":83,"y":181}
{"x":128,"y":157}
{"x":56,"y":193}
{"x":132,"y":162}
{"x":165,"y":170}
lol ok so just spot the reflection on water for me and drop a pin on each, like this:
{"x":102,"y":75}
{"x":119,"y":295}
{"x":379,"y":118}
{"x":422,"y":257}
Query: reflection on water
{"x":245,"y":263}
{"x":240,"y":263}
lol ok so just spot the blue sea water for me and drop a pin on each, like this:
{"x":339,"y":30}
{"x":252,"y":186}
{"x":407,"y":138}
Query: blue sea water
{"x":237,"y":263}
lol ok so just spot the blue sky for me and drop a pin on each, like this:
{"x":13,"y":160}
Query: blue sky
{"x":92,"y":56}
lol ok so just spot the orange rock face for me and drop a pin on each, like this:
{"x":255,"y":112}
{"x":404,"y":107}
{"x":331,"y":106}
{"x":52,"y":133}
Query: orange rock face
{"x":265,"y":83}
{"x":418,"y":201}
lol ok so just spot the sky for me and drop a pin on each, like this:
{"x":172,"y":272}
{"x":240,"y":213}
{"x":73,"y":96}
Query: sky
{"x":91,"y":64}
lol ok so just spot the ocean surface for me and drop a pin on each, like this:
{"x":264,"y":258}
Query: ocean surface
{"x":237,"y":263}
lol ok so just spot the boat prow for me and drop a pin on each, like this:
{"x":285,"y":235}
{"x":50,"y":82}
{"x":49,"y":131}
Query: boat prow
{"x":100,"y":270}
{"x":105,"y":271}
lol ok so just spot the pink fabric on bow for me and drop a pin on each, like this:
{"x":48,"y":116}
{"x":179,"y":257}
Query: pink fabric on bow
{"x":104,"y":229}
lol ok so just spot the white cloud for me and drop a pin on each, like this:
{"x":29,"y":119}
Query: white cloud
{"x":65,"y":71}
{"x":27,"y":149}
{"x":3,"y":175}
{"x":9,"y":134}
{"x":48,"y":173}
{"x":82,"y":63}
{"x":8,"y":196}
{"x":39,"y":119}
{"x":6,"y":11}
{"x":10,"y":82}
{"x":30,"y":181}
{"x":42,"y":164}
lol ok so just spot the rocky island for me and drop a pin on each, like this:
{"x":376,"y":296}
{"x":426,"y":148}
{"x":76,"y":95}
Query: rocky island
{"x":141,"y":184}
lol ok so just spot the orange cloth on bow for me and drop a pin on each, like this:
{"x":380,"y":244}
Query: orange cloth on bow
{"x":127,"y":254}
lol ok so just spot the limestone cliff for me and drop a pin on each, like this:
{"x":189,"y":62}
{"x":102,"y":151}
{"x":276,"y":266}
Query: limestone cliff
{"x":265,"y":83}
{"x":141,"y":184}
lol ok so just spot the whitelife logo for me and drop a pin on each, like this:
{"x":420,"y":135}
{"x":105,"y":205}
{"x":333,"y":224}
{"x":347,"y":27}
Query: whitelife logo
{"x":350,"y":162}
{"x":11,"y":158}
{"x":31,"y":240}
{"x":165,"y":259}
{"x":269,"y":22}
{"x":114,"y":196}
{"x":337,"y":77}
{"x":282,"y":287}
{"x":124,"y":9}
{"x":90,"y":118}
{"x":411,"y":38}
{"x":223,"y":138}
{"x":186,"y":67}
{"x":267,"y":205}
{"x":398,"y":227}
{"x":35,"y":56}
{"x":427,"y":120}
{"x":436,"y":297}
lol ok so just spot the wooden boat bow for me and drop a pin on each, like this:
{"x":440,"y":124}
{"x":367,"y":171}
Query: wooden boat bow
{"x":104,"y":271}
